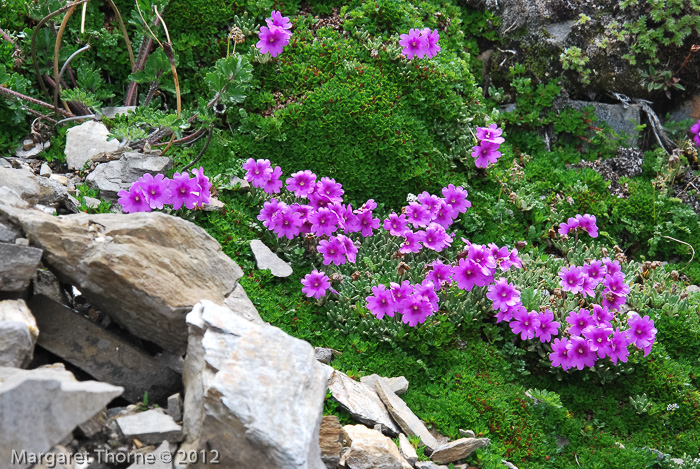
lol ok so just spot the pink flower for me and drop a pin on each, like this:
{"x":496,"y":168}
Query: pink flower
{"x":524,"y":323}
{"x":412,"y":241}
{"x":367,"y":223}
{"x":381,"y":302}
{"x":439,"y":274}
{"x":315,"y":284}
{"x":598,"y":339}
{"x":204,"y":185}
{"x":486,"y":154}
{"x":415,"y":309}
{"x":571,"y":279}
{"x":546,"y":326}
{"x":269,"y":210}
{"x":560,"y":354}
{"x":432,"y":39}
{"x":436,"y":238}
{"x":333,"y":250}
{"x":302,"y":183}
{"x":287,"y":223}
{"x":183,"y":190}
{"x":274,"y":184}
{"x":155,"y":189}
{"x":580,"y":353}
{"x":396,"y":225}
{"x":272,"y":40}
{"x":468,"y":274}
{"x":401,"y":292}
{"x":618,"y":346}
{"x":418,"y":214}
{"x":503,"y":294}
{"x":492,"y":134}
{"x":257,"y":172}
{"x":134,"y":200}
{"x":456,"y":198}
{"x":642,"y":331}
{"x":276,"y":19}
{"x":414,"y":44}
{"x":323,"y":222}
{"x":579,"y":321}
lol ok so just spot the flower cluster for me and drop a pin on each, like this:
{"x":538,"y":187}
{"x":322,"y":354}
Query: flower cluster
{"x":486,"y":153}
{"x":585,"y":223}
{"x":696,"y":133}
{"x":420,"y":43}
{"x":275,"y":35}
{"x":150,"y":192}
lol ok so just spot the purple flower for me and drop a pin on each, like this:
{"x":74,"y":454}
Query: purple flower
{"x":315,"y":284}
{"x":595,"y":270}
{"x":381,"y":302}
{"x":501,"y":256}
{"x":613,"y":300}
{"x":323,"y":222}
{"x":414,"y":44}
{"x":611,"y":266}
{"x":588,"y":224}
{"x":432,"y":39}
{"x":287,"y":222}
{"x":257,"y":172}
{"x":579,"y":321}
{"x":427,"y":291}
{"x":503,"y":294}
{"x":155,"y":189}
{"x":696,"y":131}
{"x":468,"y":274}
{"x":333,"y":250}
{"x":570,"y":224}
{"x":580,"y":353}
{"x":642,"y":331}
{"x":415,"y":309}
{"x":269,"y":210}
{"x":481,"y":256}
{"x":204,"y":186}
{"x":524,"y":323}
{"x":418,"y":214}
{"x":486,"y":154}
{"x":546,"y":326}
{"x":588,"y":286}
{"x":436,"y":238}
{"x":492,"y":134}
{"x":276,"y":19}
{"x":369,"y":205}
{"x":411,"y":242}
{"x":134,"y":200}
{"x":515,"y":260}
{"x":274,"y":184}
{"x":327,"y":187}
{"x":401,"y":292}
{"x":508,"y":314}
{"x":618,"y":346}
{"x":598,"y":339}
{"x":560,"y":354}
{"x":350,"y":248}
{"x":445,"y":215}
{"x":439,"y":274}
{"x":367,"y":223}
{"x":430,"y":201}
{"x":183,"y":190}
{"x":615,"y":283}
{"x":272,"y":40}
{"x":395,"y":224}
{"x":571,"y":279}
{"x":302,"y":183}
{"x":602,"y":314}
{"x":456,"y":198}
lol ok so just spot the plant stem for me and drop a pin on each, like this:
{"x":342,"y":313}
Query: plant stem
{"x":38,"y":102}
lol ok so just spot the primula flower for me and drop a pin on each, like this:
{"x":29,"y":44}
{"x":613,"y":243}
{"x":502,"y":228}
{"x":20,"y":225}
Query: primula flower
{"x":560,"y":354}
{"x":566,"y":227}
{"x":485,"y":154}
{"x":204,"y":186}
{"x":501,"y":256}
{"x":323,"y":222}
{"x":613,"y":300}
{"x":468,"y":274}
{"x":414,"y":44}
{"x":427,"y":291}
{"x":546,"y":326}
{"x":436,"y":238}
{"x":503,"y":294}
{"x":598,"y":339}
{"x":287,"y":222}
{"x":155,"y":189}
{"x":579,"y":353}
{"x":445,"y":215}
{"x":418,"y":214}
{"x":602,"y":314}
{"x":456,"y":197}
{"x":347,"y":220}
{"x":579,"y":321}
{"x":492,"y":134}
{"x":588,"y":286}
{"x":642,"y":331}
{"x":350,"y":248}
{"x":330,"y":189}
{"x":257,"y":172}
{"x":396,"y":225}
{"x":524,"y":323}
{"x":134,"y":200}
{"x":587,"y":223}
{"x":272,"y":40}
{"x":571,"y":279}
{"x":430,"y":201}
{"x":615,"y":283}
{"x":367,"y":223}
{"x":611,"y":266}
{"x":333,"y":250}
{"x":481,"y":256}
{"x":304,"y":211}
{"x":618,"y":346}
{"x":414,"y":309}
{"x":595,"y":270}
{"x":381,"y":302}
{"x":412,"y":241}
{"x":302,"y":183}
{"x":369,"y":205}
{"x":276,"y":19}
{"x":315,"y":284}
{"x":432,"y":39}
{"x":401,"y":292}
{"x":515,"y":260}
{"x":183,"y":190}
{"x":269,"y":210}
{"x":274,"y":184}
{"x":696,"y":133}
{"x":509,"y":313}
{"x":439,"y":274}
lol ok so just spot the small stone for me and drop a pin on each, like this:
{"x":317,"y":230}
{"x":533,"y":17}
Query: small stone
{"x":18,"y":334}
{"x":60,"y":178}
{"x":458,"y":449}
{"x":24,"y":242}
{"x":175,"y":407}
{"x":428,"y":465}
{"x":398,"y":384}
{"x":45,"y":283}
{"x":407,"y":449}
{"x":45,"y":170}
{"x":369,"y":449}
{"x":161,"y":458}
{"x":330,"y":440}
{"x":214,"y":205}
{"x":692,"y":289}
{"x":8,"y":233}
{"x":324,"y":355}
{"x":95,"y":425}
{"x":509,"y":465}
{"x":266,"y":259}
{"x":151,"y":427}
{"x":467,"y":433}
{"x":239,"y":184}
{"x":18,"y":266}
{"x":112,"y":112}
{"x":92,"y":202}
{"x":30,"y":150}
{"x":85,"y":141}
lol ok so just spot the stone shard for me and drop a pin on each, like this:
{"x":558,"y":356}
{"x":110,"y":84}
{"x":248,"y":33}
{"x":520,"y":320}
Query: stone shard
{"x":331,"y":441}
{"x":252,"y":393}
{"x":151,"y":427}
{"x":86,"y":141}
{"x":407,"y":450}
{"x":40,"y":407}
{"x":369,"y":449}
{"x":158,"y":459}
{"x":145,"y":270}
{"x":110,"y":178}
{"x":45,"y":283}
{"x":266,"y":259}
{"x":239,"y":303}
{"x":8,"y":233}
{"x":33,"y":189}
{"x":429,"y":465}
{"x":458,"y":449}
{"x":100,"y":353}
{"x":18,"y":334}
{"x":175,"y":407}
{"x":403,"y":416}
{"x":398,"y":384}
{"x":467,"y":433}
{"x":361,"y":402}
{"x":324,"y":355}
{"x":18,"y":266}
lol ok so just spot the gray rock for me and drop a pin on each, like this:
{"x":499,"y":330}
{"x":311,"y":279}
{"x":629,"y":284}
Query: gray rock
{"x":458,"y":449}
{"x":151,"y":427}
{"x":140,"y":258}
{"x":559,"y":32}
{"x":100,"y":353}
{"x":92,"y":202}
{"x":19,"y":264}
{"x":266,"y":259}
{"x":688,"y":109}
{"x":110,"y":178}
{"x":33,"y":189}
{"x":369,"y":449}
{"x":241,"y":184}
{"x":239,"y":303}
{"x":86,"y":141}
{"x":324,"y":355}
{"x":95,"y":425}
{"x":429,"y":465}
{"x":40,"y":407}
{"x":252,"y":392}
{"x":45,"y":170}
{"x":175,"y":407}
{"x":158,"y":459}
{"x":30,"y":150}
{"x":399,"y":384}
{"x":361,"y":402}
{"x":330,"y":440}
{"x":8,"y":233}
{"x":692,"y":289}
{"x":407,"y":450}
{"x":45,"y":283}
{"x":60,"y":178}
{"x":18,"y":334}
{"x":622,"y":118}
{"x":214,"y":205}
{"x":509,"y":465}
{"x":467,"y":433}
{"x":4,"y":163}
{"x":112,"y":112}
{"x":404,"y":417}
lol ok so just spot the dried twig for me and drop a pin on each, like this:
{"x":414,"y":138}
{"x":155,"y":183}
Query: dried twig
{"x":29,"y":99}
{"x":683,"y":242}
{"x":201,"y":152}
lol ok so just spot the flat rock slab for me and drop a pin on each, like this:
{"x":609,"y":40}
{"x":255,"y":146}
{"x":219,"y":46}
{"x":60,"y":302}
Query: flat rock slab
{"x":266,"y":259}
{"x":161,"y":458}
{"x":33,"y":189}
{"x":240,"y":304}
{"x":407,"y":450}
{"x":40,"y":407}
{"x":369,"y":449}
{"x":18,"y":333}
{"x":458,"y":449}
{"x":151,"y":427}
{"x":18,"y":266}
{"x":110,"y":178}
{"x":86,"y":141}
{"x":361,"y":402}
{"x":101,"y":354}
{"x":331,"y":441}
{"x":402,"y":414}
{"x":399,"y":384}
